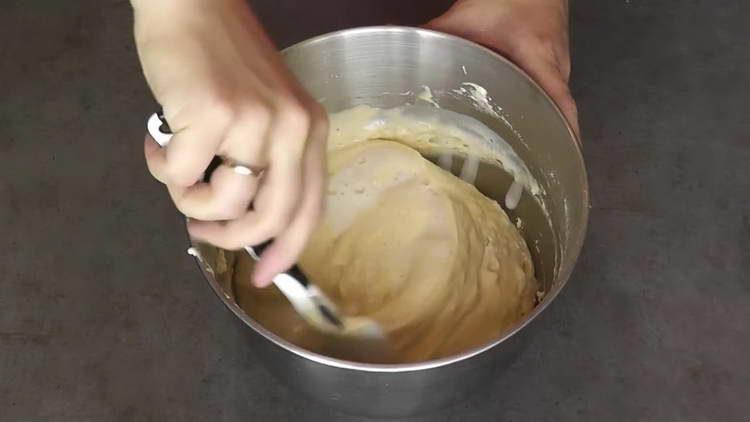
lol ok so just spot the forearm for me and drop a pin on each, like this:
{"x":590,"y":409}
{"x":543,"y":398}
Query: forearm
{"x":226,"y":91}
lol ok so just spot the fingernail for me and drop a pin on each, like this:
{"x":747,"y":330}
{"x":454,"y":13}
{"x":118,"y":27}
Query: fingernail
{"x":260,"y":279}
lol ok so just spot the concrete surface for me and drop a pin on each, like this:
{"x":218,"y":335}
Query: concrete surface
{"x":104,"y":318}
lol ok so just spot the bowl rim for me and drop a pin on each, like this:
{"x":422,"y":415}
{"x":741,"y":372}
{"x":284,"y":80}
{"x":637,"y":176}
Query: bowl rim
{"x":562,"y":278}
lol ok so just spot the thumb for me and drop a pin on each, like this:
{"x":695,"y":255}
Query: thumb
{"x":548,"y":75}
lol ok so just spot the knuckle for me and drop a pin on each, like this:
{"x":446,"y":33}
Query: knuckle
{"x":295,"y":114}
{"x":218,"y":208}
{"x":273,"y":225}
{"x":219,"y":109}
{"x":157,"y":173}
{"x":232,"y":210}
{"x":180,"y":175}
{"x":258,"y":113}
{"x":191,"y":211}
{"x":182,"y":208}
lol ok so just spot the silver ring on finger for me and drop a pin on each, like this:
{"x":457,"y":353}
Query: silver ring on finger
{"x":242,"y":169}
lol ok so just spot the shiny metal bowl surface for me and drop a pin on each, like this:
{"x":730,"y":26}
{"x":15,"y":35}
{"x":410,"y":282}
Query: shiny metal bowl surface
{"x":384,"y":67}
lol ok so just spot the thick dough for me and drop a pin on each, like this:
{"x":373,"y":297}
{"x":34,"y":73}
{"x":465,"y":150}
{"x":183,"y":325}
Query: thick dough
{"x":435,"y":262}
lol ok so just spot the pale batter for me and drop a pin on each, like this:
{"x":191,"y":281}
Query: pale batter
{"x":437,"y":264}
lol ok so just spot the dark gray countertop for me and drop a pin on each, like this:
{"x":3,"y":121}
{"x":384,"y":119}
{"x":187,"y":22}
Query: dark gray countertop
{"x":104,"y":317}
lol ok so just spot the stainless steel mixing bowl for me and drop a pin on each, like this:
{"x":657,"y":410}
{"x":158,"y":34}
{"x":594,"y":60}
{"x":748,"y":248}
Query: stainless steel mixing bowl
{"x":386,"y":66}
